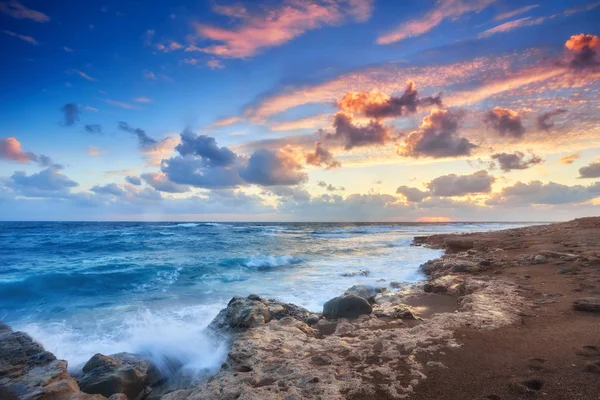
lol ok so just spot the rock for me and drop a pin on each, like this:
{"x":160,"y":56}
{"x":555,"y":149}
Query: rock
{"x":361,"y":272}
{"x":243,"y":313}
{"x":28,"y":371}
{"x":456,"y":244}
{"x":539,"y":259}
{"x":395,"y":285}
{"x":313,"y":319}
{"x":431,"y":288}
{"x":563,"y":271}
{"x":107,"y":375}
{"x":118,"y":396}
{"x":366,"y":292}
{"x":346,"y":306}
{"x":325,"y":327}
{"x":588,"y":304}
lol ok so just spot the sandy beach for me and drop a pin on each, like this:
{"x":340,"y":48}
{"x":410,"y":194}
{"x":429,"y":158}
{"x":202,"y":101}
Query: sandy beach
{"x":505,"y":314}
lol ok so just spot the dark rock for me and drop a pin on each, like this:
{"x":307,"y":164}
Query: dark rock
{"x":430,"y":288}
{"x":321,"y":360}
{"x":366,"y":292}
{"x":118,"y":396}
{"x":107,"y":375}
{"x":313,"y":319}
{"x":347,"y":306}
{"x":396,"y":285}
{"x":28,"y":371}
{"x":326,"y":327}
{"x":588,"y":304}
{"x":563,"y":271}
{"x":362,"y":272}
{"x":458,"y":244}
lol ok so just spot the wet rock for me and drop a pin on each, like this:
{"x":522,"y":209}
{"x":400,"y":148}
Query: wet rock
{"x":458,"y":244}
{"x":361,"y":272}
{"x":395,"y":285}
{"x":243,"y":313}
{"x":28,"y":371}
{"x":588,"y":304}
{"x":107,"y":375}
{"x":366,"y":292}
{"x":347,"y":306}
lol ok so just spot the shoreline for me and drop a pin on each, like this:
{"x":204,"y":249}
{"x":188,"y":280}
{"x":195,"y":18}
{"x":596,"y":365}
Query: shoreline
{"x":409,"y":342}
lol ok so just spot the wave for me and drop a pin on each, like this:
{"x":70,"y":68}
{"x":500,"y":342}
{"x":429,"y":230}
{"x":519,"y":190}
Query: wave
{"x":187,"y":225}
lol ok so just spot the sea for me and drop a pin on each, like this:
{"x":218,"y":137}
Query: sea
{"x":81,"y":288}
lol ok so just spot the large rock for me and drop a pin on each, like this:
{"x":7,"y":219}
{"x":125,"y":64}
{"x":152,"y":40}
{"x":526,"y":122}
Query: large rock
{"x":243,"y":313}
{"x":346,"y":306}
{"x":588,"y":304}
{"x":27,"y":371}
{"x":120,"y":373}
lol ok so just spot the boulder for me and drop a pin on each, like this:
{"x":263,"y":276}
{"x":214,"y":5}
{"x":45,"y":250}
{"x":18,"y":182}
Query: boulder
{"x":108,"y":375}
{"x":366,"y":292}
{"x":346,"y":306}
{"x":28,"y":371}
{"x":456,"y":244}
{"x":246,"y":312}
{"x":588,"y":304}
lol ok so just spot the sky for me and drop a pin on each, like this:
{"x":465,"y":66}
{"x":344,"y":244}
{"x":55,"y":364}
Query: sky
{"x":300,"y":110}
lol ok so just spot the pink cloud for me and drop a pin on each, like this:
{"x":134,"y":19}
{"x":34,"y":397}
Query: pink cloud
{"x":10,"y":149}
{"x":258,"y":31}
{"x":444,"y":9}
{"x":510,"y":25}
{"x":24,"y":38}
{"x":19,"y":11}
{"x":518,"y":11}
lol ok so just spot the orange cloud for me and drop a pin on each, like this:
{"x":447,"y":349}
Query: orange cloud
{"x":581,"y":41}
{"x":10,"y":149}
{"x":444,"y":9}
{"x":94,"y":151}
{"x":312,"y":122}
{"x":257,"y":32}
{"x":227,"y":121}
{"x":570,"y":159}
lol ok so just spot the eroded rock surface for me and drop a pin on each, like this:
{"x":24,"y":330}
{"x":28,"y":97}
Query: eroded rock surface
{"x":29,"y":372}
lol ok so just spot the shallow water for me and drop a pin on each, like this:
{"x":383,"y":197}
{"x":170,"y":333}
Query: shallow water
{"x":151,"y":288}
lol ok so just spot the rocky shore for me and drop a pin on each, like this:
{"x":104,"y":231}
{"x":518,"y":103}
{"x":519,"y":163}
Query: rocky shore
{"x":443,"y":338}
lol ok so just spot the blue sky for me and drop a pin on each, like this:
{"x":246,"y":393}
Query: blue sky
{"x":495,"y":100}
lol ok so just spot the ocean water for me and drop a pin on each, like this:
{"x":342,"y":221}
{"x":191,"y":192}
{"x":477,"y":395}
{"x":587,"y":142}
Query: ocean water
{"x":151,"y":288}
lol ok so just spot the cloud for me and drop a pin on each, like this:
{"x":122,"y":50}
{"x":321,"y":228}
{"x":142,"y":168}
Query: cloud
{"x":227,"y":121}
{"x":536,"y":192}
{"x":93,"y":151}
{"x":19,"y":11}
{"x":142,"y":100}
{"x":121,"y":104}
{"x":590,"y":171}
{"x":444,"y":9}
{"x":569,"y":159}
{"x":10,"y":149}
{"x":518,"y":11}
{"x":311,"y":122}
{"x":460,"y":185}
{"x":255,"y":32}
{"x":509,"y":26}
{"x":412,"y":194}
{"x":159,"y":181}
{"x":111,"y":189}
{"x":205,"y":147}
{"x":202,"y":163}
{"x":170,"y":46}
{"x":437,"y":137}
{"x":516,"y":160}
{"x":162,"y":149}
{"x":329,"y":187}
{"x":24,"y":38}
{"x":505,"y":122}
{"x":93,"y":128}
{"x":68,"y":49}
{"x":379,"y":106}
{"x":83,"y":75}
{"x":543,"y":120}
{"x":214,"y":64}
{"x":144,"y":140}
{"x":320,"y":156}
{"x":46,"y":183}
{"x":149,"y":75}
{"x":134,"y":180}
{"x":584,"y":51}
{"x":273,"y":168}
{"x":70,"y":113}
{"x":371,"y":134}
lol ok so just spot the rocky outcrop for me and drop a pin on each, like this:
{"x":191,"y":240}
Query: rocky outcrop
{"x":346,"y":306}
{"x":124,"y":373}
{"x":27,"y":371}
{"x":588,"y":304}
{"x":247,"y":312}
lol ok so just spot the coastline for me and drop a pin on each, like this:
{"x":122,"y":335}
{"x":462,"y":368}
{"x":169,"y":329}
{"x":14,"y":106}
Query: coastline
{"x":415,"y":340}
